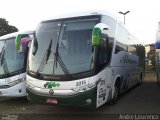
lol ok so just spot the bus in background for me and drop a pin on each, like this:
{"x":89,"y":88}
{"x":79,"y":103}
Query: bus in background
{"x":13,"y":59}
{"x":157,"y":46}
{"x":83,"y":59}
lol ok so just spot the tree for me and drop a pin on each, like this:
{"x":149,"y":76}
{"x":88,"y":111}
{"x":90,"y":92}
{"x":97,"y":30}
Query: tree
{"x":140,"y":50}
{"x":151,"y":56}
{"x":5,"y":28}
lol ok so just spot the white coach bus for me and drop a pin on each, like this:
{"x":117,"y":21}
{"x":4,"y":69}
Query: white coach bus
{"x":84,"y":59}
{"x":157,"y":46}
{"x":13,"y":60}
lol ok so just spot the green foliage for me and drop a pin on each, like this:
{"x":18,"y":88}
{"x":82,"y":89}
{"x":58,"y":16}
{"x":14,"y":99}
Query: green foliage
{"x":140,"y":50}
{"x":5,"y":28}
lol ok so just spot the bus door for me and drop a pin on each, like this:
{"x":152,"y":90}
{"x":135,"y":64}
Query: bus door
{"x":100,"y":43}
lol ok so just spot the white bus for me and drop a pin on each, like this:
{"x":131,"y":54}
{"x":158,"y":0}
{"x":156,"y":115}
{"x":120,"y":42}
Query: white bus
{"x":157,"y":46}
{"x":83,"y":59}
{"x":13,"y":59}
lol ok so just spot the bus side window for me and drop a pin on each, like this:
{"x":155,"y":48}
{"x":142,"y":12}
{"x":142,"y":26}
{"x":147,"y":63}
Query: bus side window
{"x":104,"y":52}
{"x":119,"y":48}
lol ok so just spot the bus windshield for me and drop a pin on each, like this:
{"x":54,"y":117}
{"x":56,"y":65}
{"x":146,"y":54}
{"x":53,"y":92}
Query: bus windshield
{"x":10,"y":60}
{"x":62,"y":44}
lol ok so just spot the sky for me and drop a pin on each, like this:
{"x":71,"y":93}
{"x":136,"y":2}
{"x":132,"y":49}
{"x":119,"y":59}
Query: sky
{"x":141,"y":21}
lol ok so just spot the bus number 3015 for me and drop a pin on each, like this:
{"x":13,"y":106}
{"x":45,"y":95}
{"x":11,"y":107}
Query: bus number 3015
{"x":81,"y":83}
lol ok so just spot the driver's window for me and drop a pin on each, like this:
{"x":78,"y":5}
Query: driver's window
{"x":105,"y":50}
{"x":102,"y":54}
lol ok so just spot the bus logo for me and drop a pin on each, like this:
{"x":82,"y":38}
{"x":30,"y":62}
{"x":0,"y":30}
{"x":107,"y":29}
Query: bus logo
{"x":51,"y":85}
{"x":51,"y":92}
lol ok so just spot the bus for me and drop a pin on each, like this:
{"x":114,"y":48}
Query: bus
{"x":157,"y":54}
{"x":84,"y":59}
{"x":13,"y":59}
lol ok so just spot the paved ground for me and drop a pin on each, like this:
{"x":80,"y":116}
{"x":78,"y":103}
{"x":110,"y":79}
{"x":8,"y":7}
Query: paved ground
{"x":143,"y":99}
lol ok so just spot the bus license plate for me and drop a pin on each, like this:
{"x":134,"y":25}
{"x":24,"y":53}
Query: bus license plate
{"x":52,"y":101}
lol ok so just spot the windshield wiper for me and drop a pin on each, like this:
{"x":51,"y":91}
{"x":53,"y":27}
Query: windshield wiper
{"x":2,"y":55}
{"x":3,"y":60}
{"x":5,"y":67}
{"x":44,"y":59}
{"x":61,"y":63}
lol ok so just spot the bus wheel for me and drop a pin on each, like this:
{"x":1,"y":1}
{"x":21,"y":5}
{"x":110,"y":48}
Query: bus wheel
{"x":115,"y":95}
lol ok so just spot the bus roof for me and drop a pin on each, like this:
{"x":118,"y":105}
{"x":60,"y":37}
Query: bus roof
{"x":14,"y":34}
{"x":10,"y":35}
{"x":83,"y":14}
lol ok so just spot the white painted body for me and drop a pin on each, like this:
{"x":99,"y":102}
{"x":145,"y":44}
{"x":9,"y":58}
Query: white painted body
{"x":122,"y":65}
{"x":13,"y":83}
{"x":17,"y":90}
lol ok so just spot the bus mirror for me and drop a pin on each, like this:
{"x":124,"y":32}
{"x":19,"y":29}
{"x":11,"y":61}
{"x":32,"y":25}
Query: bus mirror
{"x":29,"y":44}
{"x":96,"y":33}
{"x":22,"y":42}
{"x":96,"y":37}
{"x":18,"y":41}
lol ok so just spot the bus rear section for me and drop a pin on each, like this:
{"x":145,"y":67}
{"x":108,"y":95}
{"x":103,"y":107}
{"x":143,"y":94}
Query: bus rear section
{"x":13,"y":65}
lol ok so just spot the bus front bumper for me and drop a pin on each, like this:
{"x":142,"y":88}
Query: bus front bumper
{"x":83,"y":99}
{"x":18,"y":90}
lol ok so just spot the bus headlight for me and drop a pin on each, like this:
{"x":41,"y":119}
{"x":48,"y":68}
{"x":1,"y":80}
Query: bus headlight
{"x":16,"y":82}
{"x":85,"y":88}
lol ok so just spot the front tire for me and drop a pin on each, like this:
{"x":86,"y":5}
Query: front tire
{"x":115,"y":95}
